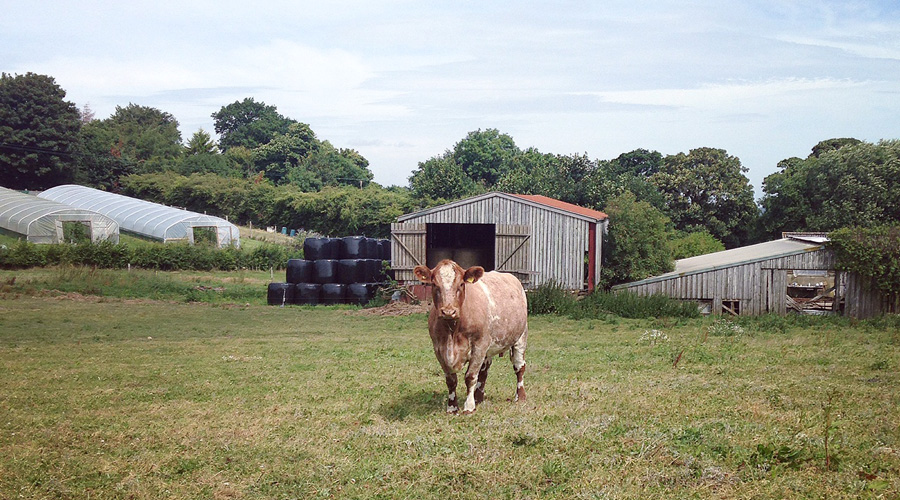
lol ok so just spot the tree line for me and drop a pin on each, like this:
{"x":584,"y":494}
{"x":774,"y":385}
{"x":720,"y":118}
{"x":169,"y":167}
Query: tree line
{"x":269,"y":169}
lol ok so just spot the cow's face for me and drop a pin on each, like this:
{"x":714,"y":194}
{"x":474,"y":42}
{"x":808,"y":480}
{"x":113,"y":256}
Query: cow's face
{"x":448,"y":285}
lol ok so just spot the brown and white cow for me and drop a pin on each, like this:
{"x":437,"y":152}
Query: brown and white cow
{"x":476,"y":316}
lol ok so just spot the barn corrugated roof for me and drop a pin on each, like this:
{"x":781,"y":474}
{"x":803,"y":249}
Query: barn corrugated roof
{"x":734,"y":257}
{"x":530,"y":199}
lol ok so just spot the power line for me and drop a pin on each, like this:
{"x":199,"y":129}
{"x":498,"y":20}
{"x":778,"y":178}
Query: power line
{"x":33,"y":149}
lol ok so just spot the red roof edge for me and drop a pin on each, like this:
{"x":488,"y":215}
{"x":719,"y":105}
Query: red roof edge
{"x":561,"y":205}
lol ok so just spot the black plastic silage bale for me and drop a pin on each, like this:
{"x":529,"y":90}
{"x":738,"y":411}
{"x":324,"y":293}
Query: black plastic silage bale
{"x":350,"y":271}
{"x":299,"y":271}
{"x":354,"y":247}
{"x":307,"y":293}
{"x":373,"y":272}
{"x":371,"y":248}
{"x":359,"y":293}
{"x":334,"y":293}
{"x":384,"y":249}
{"x":324,"y":271}
{"x":280,"y":294}
{"x":321,"y":248}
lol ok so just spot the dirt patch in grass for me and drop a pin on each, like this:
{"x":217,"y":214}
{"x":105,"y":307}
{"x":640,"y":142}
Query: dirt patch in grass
{"x":395,"y":309}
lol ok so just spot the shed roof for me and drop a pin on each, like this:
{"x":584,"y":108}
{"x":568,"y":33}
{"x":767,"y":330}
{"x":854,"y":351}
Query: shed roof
{"x":734,"y":257}
{"x":529,"y":199}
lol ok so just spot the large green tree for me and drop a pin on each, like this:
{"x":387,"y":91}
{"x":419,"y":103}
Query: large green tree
{"x":440,"y":179}
{"x":145,"y":136}
{"x":843,"y":182}
{"x":484,"y":155}
{"x":249,"y":124}
{"x":38,"y":132}
{"x":637,"y":245}
{"x":707,"y":189}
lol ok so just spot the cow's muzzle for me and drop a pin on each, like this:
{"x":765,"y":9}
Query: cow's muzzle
{"x":449,"y":313}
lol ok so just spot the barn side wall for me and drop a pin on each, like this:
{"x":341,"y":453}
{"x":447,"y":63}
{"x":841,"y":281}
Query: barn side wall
{"x":557,"y":245}
{"x":759,"y":286}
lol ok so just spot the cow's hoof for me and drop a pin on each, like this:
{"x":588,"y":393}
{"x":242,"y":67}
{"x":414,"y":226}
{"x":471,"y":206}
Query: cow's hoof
{"x":453,"y":410}
{"x":468,"y":412}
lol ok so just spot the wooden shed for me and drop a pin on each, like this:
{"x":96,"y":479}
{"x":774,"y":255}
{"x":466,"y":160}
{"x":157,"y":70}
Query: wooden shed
{"x":796,"y":273}
{"x":539,"y":239}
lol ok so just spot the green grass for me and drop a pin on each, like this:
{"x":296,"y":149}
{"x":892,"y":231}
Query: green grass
{"x":148,"y":399}
{"x":245,"y":287}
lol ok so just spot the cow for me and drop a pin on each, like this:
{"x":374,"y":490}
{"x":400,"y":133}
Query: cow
{"x":476,"y":315}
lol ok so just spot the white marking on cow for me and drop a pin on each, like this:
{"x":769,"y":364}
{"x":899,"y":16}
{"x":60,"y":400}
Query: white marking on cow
{"x":487,"y":293}
{"x":470,"y":401}
{"x":452,"y":397}
{"x":448,"y":275}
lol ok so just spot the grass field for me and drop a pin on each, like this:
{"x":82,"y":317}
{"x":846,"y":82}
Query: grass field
{"x":107,"y":397}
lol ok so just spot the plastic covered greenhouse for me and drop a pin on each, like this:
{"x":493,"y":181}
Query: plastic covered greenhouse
{"x":46,"y":221}
{"x":148,"y":219}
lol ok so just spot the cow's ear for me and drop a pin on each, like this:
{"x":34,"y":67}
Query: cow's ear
{"x":423,"y":273}
{"x":473,"y":274}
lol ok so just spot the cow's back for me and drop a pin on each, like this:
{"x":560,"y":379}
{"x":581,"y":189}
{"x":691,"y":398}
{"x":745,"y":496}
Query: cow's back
{"x":496,"y":304}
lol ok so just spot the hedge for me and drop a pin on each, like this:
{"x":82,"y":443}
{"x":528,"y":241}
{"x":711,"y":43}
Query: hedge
{"x":169,"y":257}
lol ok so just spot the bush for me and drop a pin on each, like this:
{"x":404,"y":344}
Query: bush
{"x":168,"y":257}
{"x":553,"y":299}
{"x":550,"y":298}
{"x":632,"y":305}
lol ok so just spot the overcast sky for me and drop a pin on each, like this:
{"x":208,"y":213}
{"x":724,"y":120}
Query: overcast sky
{"x":402,"y":81}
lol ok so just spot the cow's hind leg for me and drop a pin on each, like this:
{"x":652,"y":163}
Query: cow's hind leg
{"x":482,"y":380}
{"x":452,"y":405}
{"x":517,"y":356}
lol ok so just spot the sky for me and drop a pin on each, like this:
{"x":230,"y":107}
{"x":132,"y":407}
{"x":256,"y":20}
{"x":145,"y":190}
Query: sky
{"x":403,"y":81}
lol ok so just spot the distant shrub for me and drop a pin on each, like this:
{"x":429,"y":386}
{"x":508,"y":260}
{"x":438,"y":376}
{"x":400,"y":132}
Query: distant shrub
{"x":632,"y":305}
{"x":553,"y":299}
{"x":168,"y":257}
{"x":550,"y":298}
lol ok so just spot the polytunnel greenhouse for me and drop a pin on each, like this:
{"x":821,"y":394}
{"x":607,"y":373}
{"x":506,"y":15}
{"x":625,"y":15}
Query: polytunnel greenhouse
{"x":44,"y":221}
{"x":148,"y":219}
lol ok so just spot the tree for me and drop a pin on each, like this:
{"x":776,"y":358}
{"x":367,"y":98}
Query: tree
{"x":38,"y":132}
{"x":707,"y":189}
{"x":857,"y":184}
{"x":100,"y":163}
{"x":201,"y":143}
{"x":640,"y":163}
{"x":249,"y":124}
{"x":832,"y":145}
{"x":686,"y":245}
{"x":289,"y":152}
{"x":145,"y":136}
{"x":484,"y":155}
{"x":637,"y":244}
{"x":441,"y":179}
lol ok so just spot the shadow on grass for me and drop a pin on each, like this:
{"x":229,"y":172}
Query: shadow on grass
{"x":414,"y":404}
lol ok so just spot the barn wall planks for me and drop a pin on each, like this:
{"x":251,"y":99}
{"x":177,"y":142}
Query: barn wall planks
{"x":555,"y":250}
{"x":761,"y":286}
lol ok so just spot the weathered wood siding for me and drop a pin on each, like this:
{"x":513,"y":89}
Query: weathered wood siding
{"x":554,"y":251}
{"x":760,"y":286}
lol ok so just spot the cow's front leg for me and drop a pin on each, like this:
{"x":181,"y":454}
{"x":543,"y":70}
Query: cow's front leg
{"x":482,"y":380}
{"x":452,"y":405}
{"x":471,"y":382}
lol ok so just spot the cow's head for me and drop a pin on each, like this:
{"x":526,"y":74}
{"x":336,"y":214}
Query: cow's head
{"x":448,"y":285}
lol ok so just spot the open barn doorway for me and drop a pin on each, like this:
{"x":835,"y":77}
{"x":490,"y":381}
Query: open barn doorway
{"x":467,"y":244}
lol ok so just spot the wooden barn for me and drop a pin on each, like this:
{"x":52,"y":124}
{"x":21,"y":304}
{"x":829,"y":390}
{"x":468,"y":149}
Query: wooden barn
{"x":796,"y":273}
{"x":539,"y":239}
